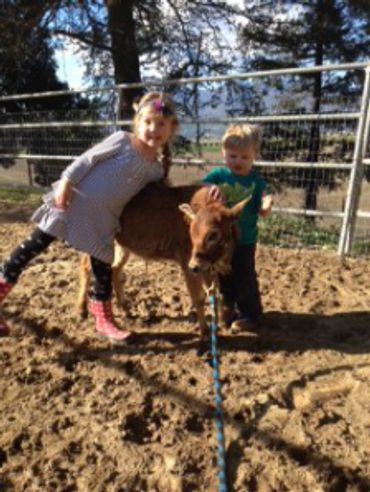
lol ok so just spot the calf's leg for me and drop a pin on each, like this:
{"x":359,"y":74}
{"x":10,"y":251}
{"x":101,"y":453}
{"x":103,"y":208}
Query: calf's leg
{"x":195,"y":287}
{"x":85,"y":273}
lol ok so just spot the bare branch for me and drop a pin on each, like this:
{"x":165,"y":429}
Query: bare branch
{"x":83,"y":39}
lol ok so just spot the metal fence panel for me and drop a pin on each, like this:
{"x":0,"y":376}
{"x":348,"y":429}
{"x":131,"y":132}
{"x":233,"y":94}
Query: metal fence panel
{"x":317,"y":201}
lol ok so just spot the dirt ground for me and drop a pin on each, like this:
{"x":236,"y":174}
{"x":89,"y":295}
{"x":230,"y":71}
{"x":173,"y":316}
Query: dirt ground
{"x":79,"y":415}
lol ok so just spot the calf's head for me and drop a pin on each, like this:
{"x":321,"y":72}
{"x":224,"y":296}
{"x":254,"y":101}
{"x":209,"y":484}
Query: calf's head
{"x":213,"y":235}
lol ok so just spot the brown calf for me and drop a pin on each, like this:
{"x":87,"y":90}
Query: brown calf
{"x":153,"y":227}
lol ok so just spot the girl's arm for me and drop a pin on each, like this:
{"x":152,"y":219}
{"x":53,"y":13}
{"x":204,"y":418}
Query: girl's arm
{"x":63,"y":193}
{"x":82,"y":165}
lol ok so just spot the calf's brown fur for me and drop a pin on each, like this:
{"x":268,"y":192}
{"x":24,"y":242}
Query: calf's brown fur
{"x":181,"y":224}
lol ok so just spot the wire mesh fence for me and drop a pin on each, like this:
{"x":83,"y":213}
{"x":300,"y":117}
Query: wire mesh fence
{"x":308,"y":158}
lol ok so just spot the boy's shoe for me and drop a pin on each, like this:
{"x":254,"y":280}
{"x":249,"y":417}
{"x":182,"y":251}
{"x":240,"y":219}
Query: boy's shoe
{"x":4,"y":328}
{"x":5,"y":288}
{"x":227,"y":315}
{"x":245,"y":323}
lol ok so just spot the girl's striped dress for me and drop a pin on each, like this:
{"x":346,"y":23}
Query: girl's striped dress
{"x":104,"y":179}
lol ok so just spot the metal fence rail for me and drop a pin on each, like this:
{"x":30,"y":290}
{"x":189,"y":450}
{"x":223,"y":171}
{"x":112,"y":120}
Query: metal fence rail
{"x":316,"y":200}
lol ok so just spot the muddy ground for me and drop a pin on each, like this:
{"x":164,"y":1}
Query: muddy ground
{"x":79,"y":415}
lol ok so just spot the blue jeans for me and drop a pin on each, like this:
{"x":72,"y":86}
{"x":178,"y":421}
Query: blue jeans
{"x":241,"y":287}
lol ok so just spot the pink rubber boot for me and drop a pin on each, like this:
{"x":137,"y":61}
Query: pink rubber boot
{"x":105,"y":325}
{"x":5,"y":288}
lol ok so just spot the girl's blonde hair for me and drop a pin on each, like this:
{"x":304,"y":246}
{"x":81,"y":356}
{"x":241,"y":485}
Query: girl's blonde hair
{"x":162,"y":103}
{"x":242,"y":136}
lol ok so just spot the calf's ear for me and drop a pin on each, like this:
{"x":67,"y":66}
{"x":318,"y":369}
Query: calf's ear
{"x":237,"y":209}
{"x":187,"y":211}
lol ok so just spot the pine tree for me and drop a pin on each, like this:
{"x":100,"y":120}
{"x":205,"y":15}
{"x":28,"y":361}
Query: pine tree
{"x":299,"y":34}
{"x":27,"y":65}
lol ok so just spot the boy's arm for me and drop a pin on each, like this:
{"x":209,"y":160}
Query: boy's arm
{"x":215,"y":193}
{"x":266,"y":205}
{"x":211,"y":180}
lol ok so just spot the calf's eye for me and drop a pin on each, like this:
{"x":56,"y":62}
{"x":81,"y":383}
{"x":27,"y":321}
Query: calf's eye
{"x":213,"y":237}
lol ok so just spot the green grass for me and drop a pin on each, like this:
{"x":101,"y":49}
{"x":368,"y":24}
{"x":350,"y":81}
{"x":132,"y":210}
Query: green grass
{"x":282,"y":231}
{"x":210,"y":148}
{"x":360,"y":247}
{"x":20,"y":195}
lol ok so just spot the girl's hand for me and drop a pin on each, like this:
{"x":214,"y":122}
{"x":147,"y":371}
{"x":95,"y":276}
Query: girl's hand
{"x":266,"y":204}
{"x":63,"y":193}
{"x":216,"y":194}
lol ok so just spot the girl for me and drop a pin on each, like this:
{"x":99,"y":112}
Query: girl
{"x":85,"y":205}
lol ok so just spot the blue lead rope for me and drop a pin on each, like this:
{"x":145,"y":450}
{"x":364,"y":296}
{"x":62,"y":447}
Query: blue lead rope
{"x":221,"y":460}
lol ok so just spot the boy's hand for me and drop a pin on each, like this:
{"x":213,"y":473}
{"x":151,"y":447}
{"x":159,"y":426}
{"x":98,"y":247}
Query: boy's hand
{"x":63,"y":193}
{"x":216,"y":194}
{"x":266,"y":204}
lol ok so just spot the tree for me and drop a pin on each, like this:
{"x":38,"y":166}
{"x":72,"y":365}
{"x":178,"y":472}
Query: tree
{"x":314,"y":33}
{"x":27,"y":65}
{"x":194,"y":50}
{"x":26,"y":61}
{"x":124,"y":38}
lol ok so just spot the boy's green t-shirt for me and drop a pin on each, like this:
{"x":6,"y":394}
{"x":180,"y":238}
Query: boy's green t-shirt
{"x":235,"y":188}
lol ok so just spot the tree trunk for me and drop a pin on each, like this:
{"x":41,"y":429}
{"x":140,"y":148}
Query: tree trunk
{"x":313,"y":175}
{"x":124,"y":51}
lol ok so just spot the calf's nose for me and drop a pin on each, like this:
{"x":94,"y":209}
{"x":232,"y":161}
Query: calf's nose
{"x":194,"y":268}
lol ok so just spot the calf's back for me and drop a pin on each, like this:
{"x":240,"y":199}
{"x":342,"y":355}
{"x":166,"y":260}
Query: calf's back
{"x":153,"y":227}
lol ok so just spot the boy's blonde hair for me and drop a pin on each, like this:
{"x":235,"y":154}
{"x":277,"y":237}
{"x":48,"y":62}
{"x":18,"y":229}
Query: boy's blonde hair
{"x":242,"y":136}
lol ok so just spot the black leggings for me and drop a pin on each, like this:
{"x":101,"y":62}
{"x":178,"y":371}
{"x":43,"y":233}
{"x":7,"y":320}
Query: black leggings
{"x":38,"y":242}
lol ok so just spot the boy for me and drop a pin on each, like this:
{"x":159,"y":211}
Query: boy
{"x":240,"y":147}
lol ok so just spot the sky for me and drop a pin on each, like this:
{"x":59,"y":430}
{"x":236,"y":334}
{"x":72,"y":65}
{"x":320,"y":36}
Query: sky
{"x":70,"y":66}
